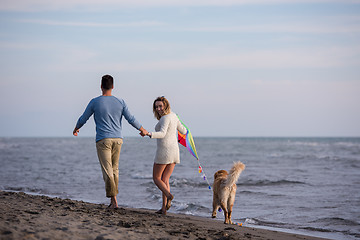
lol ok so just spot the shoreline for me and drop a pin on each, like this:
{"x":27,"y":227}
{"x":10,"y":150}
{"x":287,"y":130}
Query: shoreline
{"x":25,"y":216}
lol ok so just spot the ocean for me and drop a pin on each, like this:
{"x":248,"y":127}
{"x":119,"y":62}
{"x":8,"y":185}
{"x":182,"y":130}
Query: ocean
{"x":309,"y":186}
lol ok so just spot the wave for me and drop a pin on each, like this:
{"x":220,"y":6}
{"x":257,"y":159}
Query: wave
{"x":174,"y":182}
{"x":315,"y":229}
{"x":310,"y":157}
{"x":141,"y":176}
{"x":346,"y":234}
{"x":34,"y":191}
{"x":183,"y":182}
{"x":6,"y":146}
{"x":24,"y":189}
{"x":259,"y":194}
{"x":255,"y":221}
{"x":260,"y":183}
{"x":190,"y":208}
{"x":329,"y":232}
{"x":337,"y":221}
{"x":348,"y":144}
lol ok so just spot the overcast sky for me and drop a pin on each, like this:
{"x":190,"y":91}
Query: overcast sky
{"x":229,"y":68}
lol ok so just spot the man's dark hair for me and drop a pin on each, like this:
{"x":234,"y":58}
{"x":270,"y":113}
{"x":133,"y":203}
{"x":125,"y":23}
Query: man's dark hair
{"x":107,"y":82}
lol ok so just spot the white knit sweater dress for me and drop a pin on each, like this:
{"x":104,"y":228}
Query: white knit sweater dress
{"x":167,"y":150}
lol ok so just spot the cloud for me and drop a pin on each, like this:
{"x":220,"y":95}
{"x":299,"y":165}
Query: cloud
{"x":281,"y":28}
{"x":91,"y":24}
{"x":267,"y":59}
{"x":261,"y":60}
{"x":318,"y":25}
{"x":45,"y":5}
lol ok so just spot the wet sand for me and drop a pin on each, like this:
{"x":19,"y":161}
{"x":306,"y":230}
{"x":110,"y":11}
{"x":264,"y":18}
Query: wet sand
{"x":24,"y":216}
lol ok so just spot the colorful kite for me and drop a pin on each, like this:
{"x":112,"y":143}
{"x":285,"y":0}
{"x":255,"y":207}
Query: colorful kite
{"x":187,"y":141}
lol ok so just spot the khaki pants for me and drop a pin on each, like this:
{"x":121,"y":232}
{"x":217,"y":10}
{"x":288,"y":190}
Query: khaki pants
{"x":108,"y":150}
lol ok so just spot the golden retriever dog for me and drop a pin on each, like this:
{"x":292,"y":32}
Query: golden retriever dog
{"x":224,"y":190}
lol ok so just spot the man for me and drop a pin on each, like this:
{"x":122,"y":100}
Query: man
{"x":108,"y":112}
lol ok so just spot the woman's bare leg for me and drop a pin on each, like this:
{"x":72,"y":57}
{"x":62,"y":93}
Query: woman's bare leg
{"x":161,"y":176}
{"x":165,"y":178}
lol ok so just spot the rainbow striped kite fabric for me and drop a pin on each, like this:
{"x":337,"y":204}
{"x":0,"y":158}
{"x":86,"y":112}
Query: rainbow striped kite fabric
{"x":187,"y":141}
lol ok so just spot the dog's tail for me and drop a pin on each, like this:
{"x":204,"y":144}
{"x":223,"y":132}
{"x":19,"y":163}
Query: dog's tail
{"x":234,"y":173}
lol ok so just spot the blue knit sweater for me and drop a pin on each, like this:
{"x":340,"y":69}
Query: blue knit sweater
{"x":108,"y":112}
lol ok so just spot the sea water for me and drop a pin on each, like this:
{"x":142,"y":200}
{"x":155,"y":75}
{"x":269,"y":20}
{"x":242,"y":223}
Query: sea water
{"x":303,"y":185}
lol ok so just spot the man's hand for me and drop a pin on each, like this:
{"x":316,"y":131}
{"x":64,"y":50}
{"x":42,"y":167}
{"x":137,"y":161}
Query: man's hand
{"x":143,"y":132}
{"x":76,"y":131}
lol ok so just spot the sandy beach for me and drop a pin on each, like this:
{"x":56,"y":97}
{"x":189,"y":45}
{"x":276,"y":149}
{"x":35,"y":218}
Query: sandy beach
{"x":26,"y":216}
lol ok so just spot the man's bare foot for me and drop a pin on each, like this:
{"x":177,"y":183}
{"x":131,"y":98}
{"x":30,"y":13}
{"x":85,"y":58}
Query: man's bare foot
{"x":112,"y":206}
{"x":113,"y":203}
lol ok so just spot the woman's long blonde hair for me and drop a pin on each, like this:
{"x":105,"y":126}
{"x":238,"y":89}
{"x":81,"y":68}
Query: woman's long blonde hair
{"x":166,"y":107}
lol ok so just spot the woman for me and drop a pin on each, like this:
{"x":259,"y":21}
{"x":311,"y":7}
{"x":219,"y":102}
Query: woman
{"x":167,"y":152}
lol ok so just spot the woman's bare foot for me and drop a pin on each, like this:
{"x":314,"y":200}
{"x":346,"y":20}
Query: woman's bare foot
{"x":168,"y":202}
{"x":161,"y":212}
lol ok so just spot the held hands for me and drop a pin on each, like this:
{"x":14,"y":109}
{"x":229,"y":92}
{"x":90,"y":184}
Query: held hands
{"x":143,"y":132}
